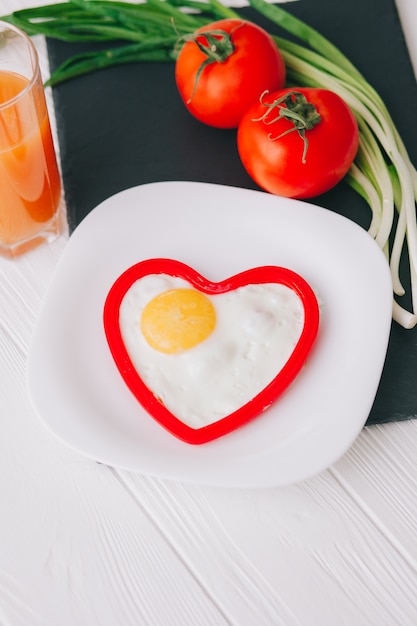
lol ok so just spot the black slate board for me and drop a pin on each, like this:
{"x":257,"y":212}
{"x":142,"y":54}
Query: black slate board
{"x":126,"y":125}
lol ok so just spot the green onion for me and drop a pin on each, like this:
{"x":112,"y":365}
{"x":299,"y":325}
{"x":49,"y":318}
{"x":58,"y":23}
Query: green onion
{"x":376,"y":131}
{"x":382,"y":173}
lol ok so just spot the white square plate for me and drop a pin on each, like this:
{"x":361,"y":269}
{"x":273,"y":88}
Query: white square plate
{"x":219,"y":231}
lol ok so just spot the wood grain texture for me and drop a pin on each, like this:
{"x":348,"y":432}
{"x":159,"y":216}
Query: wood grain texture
{"x":82,"y":544}
{"x":312,"y":553}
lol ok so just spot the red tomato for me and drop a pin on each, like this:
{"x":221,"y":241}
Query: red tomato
{"x":219,"y":92}
{"x":275,"y":154}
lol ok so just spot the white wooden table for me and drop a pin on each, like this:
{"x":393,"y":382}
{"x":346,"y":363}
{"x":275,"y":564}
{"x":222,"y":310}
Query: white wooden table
{"x":82,"y":544}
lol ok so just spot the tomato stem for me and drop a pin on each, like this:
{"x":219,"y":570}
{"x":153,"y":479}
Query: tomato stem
{"x":216,"y":45}
{"x":292,"y":106}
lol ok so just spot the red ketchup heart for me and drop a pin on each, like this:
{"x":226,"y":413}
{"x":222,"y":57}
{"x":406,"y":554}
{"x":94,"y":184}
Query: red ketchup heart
{"x":263,"y":399}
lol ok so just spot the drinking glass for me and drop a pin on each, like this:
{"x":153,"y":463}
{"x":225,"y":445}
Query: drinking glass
{"x":30,"y":185}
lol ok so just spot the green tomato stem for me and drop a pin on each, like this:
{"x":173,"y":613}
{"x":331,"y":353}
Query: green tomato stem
{"x":292,"y":106}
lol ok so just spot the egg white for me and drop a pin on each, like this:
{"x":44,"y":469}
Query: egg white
{"x":256,"y":331}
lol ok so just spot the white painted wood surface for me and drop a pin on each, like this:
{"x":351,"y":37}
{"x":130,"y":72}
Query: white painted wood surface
{"x":82,"y":544}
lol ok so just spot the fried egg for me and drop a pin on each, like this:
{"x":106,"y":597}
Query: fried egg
{"x":206,"y":355}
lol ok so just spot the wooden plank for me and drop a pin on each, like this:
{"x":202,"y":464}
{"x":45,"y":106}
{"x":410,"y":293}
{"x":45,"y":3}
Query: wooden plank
{"x":306,"y":554}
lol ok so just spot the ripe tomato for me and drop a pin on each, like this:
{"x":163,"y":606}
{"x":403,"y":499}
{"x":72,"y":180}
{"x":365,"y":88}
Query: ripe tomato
{"x":298,"y":163}
{"x":221,"y":73}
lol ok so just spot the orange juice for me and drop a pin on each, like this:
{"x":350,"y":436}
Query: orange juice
{"x":30,"y":185}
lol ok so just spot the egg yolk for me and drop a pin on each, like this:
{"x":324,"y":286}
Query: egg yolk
{"x":177,"y":320}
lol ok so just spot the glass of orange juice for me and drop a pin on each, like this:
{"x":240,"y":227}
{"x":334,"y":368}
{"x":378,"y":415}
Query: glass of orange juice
{"x":30,"y":186}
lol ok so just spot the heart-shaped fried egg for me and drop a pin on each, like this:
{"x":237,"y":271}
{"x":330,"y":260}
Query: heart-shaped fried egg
{"x":206,"y":355}
{"x":204,"y":358}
